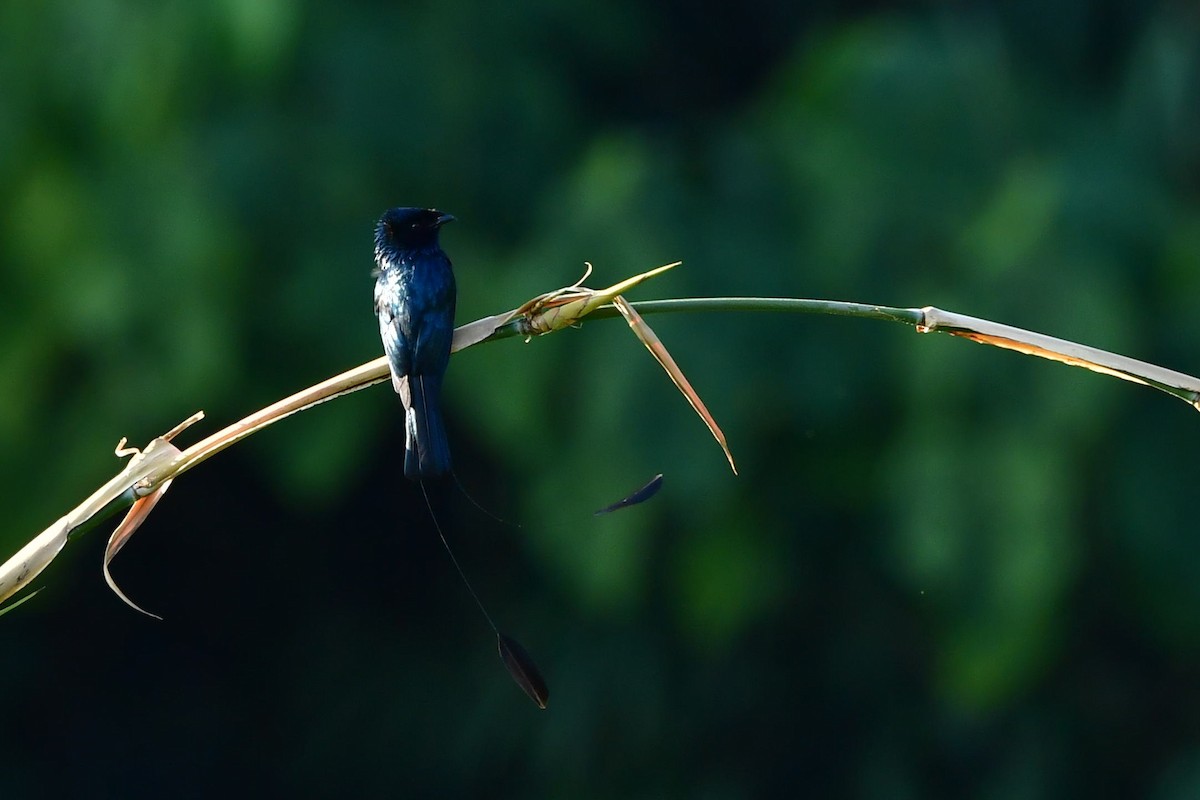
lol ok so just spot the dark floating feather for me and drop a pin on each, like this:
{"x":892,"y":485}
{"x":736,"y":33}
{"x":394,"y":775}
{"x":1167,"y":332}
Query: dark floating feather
{"x":640,"y":496}
{"x":522,"y":669}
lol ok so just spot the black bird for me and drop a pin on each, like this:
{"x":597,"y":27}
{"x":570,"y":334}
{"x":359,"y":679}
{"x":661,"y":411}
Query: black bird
{"x":414,"y":299}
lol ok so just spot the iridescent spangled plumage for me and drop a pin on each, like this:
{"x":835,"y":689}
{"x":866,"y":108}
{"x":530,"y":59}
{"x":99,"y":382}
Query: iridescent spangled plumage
{"x":414,"y":299}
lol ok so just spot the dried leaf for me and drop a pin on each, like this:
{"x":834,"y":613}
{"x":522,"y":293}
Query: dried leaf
{"x":565,"y":307}
{"x":475,"y":332}
{"x":640,"y":496}
{"x":133,"y":519}
{"x":656,"y":348}
{"x":522,"y":669}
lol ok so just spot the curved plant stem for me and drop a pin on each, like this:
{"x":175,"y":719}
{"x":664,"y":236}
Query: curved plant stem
{"x":792,"y":305}
{"x":159,"y":463}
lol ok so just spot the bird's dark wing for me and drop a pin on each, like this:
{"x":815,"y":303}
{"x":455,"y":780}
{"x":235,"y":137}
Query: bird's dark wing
{"x":432,"y":331}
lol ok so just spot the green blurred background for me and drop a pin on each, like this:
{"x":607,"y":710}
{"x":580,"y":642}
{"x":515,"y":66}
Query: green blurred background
{"x":944,"y":571}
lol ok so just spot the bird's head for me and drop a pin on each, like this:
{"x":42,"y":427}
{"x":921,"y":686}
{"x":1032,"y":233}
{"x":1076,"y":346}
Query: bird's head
{"x":409,"y":227}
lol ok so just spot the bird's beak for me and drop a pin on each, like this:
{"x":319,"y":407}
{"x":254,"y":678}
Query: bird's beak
{"x":444,"y":218}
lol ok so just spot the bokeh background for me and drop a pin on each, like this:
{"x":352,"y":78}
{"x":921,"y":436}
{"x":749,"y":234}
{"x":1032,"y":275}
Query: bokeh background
{"x":944,"y":571}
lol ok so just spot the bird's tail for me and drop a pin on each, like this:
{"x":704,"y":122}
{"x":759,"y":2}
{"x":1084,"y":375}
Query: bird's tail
{"x":426,"y":452}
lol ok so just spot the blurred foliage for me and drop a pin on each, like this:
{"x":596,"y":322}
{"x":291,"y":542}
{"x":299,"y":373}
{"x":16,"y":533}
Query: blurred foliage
{"x":944,"y":571}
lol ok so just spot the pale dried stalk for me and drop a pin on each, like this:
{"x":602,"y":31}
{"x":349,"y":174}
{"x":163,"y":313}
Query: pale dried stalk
{"x":148,"y":471}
